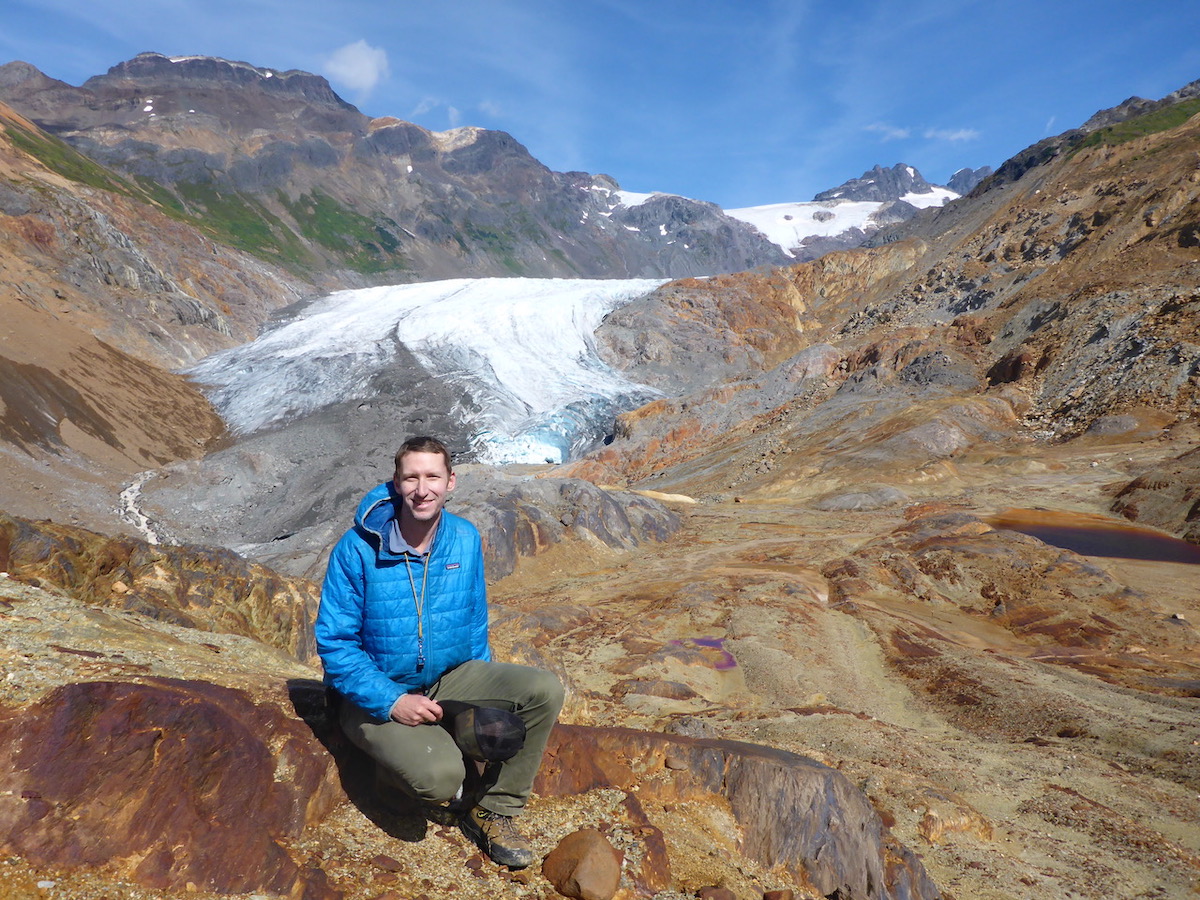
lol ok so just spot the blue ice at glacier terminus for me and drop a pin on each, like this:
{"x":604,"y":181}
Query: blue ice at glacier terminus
{"x":522,"y":348}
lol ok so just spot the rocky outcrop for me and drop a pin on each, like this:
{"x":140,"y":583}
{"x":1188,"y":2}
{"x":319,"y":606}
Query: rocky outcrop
{"x":964,"y":181}
{"x":204,"y":588}
{"x":1167,"y":496}
{"x":176,"y":785}
{"x":795,"y":816}
{"x":522,"y":516}
{"x":880,"y":185}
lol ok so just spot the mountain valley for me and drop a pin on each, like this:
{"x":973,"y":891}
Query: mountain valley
{"x":815,"y":603}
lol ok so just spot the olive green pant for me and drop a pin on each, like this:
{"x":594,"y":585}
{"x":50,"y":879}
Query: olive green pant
{"x":424,"y":758}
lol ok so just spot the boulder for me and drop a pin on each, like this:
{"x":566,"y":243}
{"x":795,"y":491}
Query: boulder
{"x":584,"y":865}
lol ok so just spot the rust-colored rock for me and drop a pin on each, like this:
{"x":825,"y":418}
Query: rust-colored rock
{"x":584,"y":865}
{"x":654,"y":872}
{"x":794,"y":813}
{"x":170,"y":782}
{"x":715,"y":892}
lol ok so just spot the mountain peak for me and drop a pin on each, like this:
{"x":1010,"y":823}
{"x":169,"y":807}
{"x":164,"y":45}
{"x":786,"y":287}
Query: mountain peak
{"x":157,"y":70}
{"x":880,"y":185}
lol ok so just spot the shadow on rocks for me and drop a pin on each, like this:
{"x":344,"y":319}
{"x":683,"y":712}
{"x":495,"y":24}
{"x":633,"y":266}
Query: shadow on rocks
{"x":390,"y":809}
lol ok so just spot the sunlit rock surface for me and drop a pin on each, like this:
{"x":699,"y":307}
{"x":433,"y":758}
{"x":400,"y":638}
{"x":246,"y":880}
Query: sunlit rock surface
{"x":199,"y":587}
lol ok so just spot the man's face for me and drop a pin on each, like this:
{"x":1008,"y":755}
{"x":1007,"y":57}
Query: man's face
{"x":423,"y":481}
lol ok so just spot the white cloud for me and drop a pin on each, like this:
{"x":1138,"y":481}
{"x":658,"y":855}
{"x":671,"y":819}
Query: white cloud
{"x":954,"y":135}
{"x":426,"y":104}
{"x":1050,"y":124}
{"x":358,"y":66}
{"x":491,"y":108}
{"x":454,"y":115}
{"x":890,"y":132}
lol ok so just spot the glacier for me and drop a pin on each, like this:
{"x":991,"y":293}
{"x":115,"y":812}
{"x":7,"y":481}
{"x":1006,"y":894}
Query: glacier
{"x":788,"y":224}
{"x":522,"y":350}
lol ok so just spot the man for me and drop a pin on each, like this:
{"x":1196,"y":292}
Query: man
{"x":403,"y":625}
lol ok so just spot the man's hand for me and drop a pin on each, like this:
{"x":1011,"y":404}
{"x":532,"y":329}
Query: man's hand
{"x":415,"y":709}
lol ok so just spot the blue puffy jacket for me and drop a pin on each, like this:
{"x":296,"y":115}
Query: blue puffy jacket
{"x":367,"y":625}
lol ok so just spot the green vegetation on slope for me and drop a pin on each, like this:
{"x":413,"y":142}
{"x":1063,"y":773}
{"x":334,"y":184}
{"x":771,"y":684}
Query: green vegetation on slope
{"x":1140,"y":126}
{"x":231,"y":217}
{"x":243,"y":223}
{"x":364,"y":245}
{"x":68,"y":162}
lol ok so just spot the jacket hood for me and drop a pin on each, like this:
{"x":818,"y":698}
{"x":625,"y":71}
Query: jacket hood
{"x":375,"y":512}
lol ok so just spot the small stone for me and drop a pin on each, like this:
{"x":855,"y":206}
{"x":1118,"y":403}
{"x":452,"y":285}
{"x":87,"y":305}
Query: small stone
{"x":584,"y":865}
{"x":713,"y":892}
{"x":672,"y":761}
{"x":387,"y":863}
{"x":120,"y":587}
{"x":783,"y":894}
{"x":46,"y":885}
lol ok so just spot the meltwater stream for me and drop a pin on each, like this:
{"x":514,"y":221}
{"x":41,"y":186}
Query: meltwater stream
{"x":521,"y":348}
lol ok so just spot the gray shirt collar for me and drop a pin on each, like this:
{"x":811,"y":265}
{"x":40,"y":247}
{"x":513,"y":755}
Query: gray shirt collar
{"x":397,"y":544}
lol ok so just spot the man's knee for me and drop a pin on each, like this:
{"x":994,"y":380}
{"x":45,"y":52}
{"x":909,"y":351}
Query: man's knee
{"x":436,"y":782}
{"x":545,"y":688}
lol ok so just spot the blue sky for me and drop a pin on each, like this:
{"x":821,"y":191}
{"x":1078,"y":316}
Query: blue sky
{"x":741,"y":102}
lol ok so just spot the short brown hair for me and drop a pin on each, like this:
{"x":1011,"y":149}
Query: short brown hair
{"x":423,"y":444}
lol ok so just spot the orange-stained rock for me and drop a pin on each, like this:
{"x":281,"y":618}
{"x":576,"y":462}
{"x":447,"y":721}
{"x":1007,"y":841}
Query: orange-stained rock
{"x":654,"y":873}
{"x":198,"y":587}
{"x":168,"y":782}
{"x":794,"y":814}
{"x":584,"y":865}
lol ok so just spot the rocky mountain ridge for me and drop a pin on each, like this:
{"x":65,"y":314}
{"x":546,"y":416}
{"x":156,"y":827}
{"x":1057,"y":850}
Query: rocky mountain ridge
{"x":276,"y":164}
{"x":850,"y":215}
{"x":882,"y":185}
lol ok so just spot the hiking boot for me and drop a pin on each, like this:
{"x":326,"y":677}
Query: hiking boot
{"x":497,"y":836}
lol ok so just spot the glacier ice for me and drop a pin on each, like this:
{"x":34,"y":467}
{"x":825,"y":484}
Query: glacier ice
{"x":523,"y":349}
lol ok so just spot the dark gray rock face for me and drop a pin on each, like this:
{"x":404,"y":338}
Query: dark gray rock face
{"x":964,"y":180}
{"x":880,"y":184}
{"x":520,"y":515}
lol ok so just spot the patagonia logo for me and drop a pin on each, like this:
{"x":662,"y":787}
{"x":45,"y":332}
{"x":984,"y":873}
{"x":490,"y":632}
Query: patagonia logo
{"x":453,"y":565}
